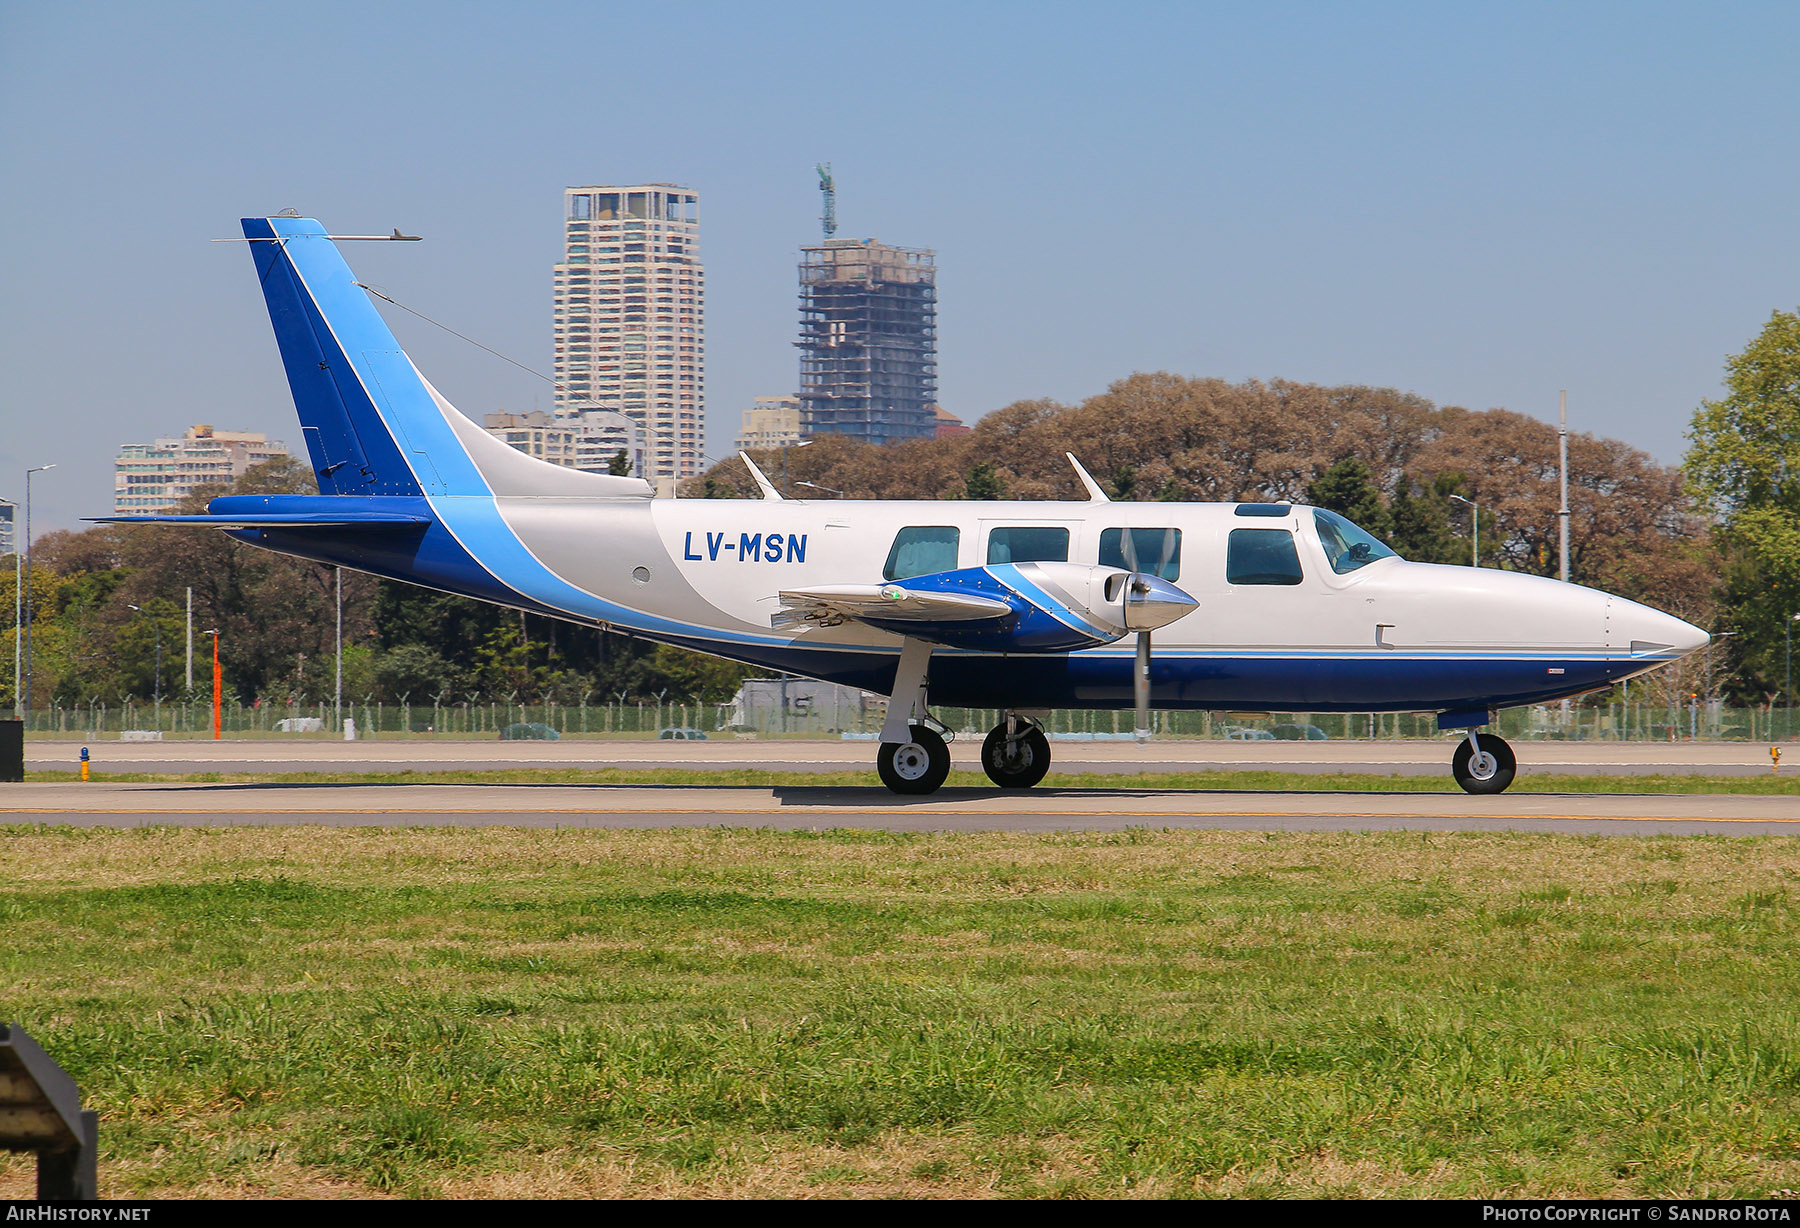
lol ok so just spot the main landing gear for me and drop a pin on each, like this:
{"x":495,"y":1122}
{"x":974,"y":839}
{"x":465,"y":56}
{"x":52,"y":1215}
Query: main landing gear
{"x":1016,"y":754}
{"x":914,"y":758}
{"x":1483,"y":763}
{"x":918,"y":765}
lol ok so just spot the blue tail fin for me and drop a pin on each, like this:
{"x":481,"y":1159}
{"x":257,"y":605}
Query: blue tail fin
{"x":327,"y":330}
{"x":373,"y":425}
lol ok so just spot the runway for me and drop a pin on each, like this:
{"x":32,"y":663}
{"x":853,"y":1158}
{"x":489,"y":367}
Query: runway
{"x":724,"y":753}
{"x":800,"y":807}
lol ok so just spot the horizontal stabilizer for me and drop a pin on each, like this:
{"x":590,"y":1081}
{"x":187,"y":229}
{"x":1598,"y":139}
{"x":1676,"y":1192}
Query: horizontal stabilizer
{"x":297,"y":512}
{"x":278,"y":520}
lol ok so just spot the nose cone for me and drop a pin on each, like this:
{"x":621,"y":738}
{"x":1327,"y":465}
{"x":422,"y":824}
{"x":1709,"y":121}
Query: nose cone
{"x":1152,"y":602}
{"x":1651,"y":633}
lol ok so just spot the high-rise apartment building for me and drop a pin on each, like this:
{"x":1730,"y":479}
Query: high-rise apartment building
{"x":156,"y":477}
{"x":770,"y":422}
{"x":868,"y":341}
{"x":586,"y":439}
{"x":630,"y":307}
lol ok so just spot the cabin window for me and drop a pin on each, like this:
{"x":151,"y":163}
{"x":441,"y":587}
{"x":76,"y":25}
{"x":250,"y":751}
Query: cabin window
{"x":1028,"y":544}
{"x":1156,"y":551}
{"x":1275,"y":510}
{"x":1262,"y":556}
{"x":920,"y":550}
{"x":1346,"y":546}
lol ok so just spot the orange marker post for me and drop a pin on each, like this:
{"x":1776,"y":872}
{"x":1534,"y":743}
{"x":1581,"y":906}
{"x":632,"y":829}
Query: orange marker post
{"x":84,"y":765}
{"x":218,"y":689}
{"x":1775,"y":758}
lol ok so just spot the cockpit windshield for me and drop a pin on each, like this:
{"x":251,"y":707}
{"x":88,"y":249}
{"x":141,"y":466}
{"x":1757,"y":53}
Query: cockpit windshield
{"x":1346,"y":546}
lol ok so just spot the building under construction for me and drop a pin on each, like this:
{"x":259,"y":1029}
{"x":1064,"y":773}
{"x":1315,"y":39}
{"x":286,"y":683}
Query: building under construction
{"x":868,"y":341}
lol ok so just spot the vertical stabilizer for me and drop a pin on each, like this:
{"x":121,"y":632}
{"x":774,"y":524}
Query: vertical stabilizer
{"x":329,"y":332}
{"x":372,"y":424}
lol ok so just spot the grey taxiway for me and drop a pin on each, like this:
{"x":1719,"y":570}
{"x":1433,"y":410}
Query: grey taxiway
{"x":349,"y":802}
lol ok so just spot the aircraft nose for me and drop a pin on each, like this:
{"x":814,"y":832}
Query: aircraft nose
{"x":1643,"y":631}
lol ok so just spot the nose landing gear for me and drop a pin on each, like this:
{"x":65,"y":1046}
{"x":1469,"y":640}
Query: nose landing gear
{"x":1483,"y":763}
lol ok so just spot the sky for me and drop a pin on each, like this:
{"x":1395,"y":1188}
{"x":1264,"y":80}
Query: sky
{"x":1480,"y":204}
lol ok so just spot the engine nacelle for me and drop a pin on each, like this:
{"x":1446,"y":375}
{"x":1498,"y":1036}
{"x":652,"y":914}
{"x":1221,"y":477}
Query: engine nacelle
{"x":1050,"y":607}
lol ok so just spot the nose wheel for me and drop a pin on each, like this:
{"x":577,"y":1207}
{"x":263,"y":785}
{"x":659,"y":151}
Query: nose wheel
{"x":1016,"y":754}
{"x":1483,"y":763}
{"x":919,"y":765}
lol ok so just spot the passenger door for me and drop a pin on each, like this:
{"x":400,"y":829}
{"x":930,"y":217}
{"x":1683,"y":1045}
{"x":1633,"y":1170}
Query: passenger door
{"x":1263,"y":592}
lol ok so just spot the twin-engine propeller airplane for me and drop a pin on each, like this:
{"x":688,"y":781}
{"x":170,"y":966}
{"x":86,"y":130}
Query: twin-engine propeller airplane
{"x":1021,"y":607}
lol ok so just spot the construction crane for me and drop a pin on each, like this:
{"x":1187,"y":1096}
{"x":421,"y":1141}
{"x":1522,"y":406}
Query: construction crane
{"x":829,"y":188}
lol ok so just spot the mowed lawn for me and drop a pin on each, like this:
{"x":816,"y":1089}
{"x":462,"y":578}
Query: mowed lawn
{"x":310,"y":1012}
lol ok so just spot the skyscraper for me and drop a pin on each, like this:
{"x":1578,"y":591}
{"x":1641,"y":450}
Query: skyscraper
{"x":868,"y":341}
{"x":630,"y":309}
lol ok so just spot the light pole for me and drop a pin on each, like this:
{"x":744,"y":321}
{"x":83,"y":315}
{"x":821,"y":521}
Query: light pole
{"x":18,"y":598}
{"x":1711,"y":686}
{"x":785,"y":449}
{"x":157,"y":627}
{"x":1718,"y":635}
{"x":1475,"y":519}
{"x":1562,"y":512}
{"x":28,"y":473}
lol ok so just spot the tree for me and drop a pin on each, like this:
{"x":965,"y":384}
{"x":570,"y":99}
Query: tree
{"x":1154,"y":435}
{"x":1744,"y":466}
{"x":1348,"y":488}
{"x":984,"y":482}
{"x":694,"y":677}
{"x":1421,"y":519}
{"x":620,"y":465}
{"x":415,"y":671}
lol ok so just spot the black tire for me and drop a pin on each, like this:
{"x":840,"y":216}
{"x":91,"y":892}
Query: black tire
{"x":918,"y":766}
{"x":1018,"y":766}
{"x":1506,"y":766}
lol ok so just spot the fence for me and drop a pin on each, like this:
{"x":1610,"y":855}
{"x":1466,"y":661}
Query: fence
{"x":486,"y":719}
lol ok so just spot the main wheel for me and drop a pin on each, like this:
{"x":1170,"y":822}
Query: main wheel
{"x":1018,"y":764}
{"x":918,"y":766}
{"x":1489,"y":772}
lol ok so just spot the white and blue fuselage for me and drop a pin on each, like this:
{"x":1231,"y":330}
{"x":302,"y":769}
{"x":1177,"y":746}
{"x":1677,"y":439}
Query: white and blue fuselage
{"x":414,"y":491}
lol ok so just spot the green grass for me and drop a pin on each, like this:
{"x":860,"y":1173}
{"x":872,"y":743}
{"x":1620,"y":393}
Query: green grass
{"x":1255,"y":781}
{"x":304,"y":1011}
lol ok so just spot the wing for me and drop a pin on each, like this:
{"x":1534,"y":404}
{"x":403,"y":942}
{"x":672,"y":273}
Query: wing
{"x":1004,"y":607}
